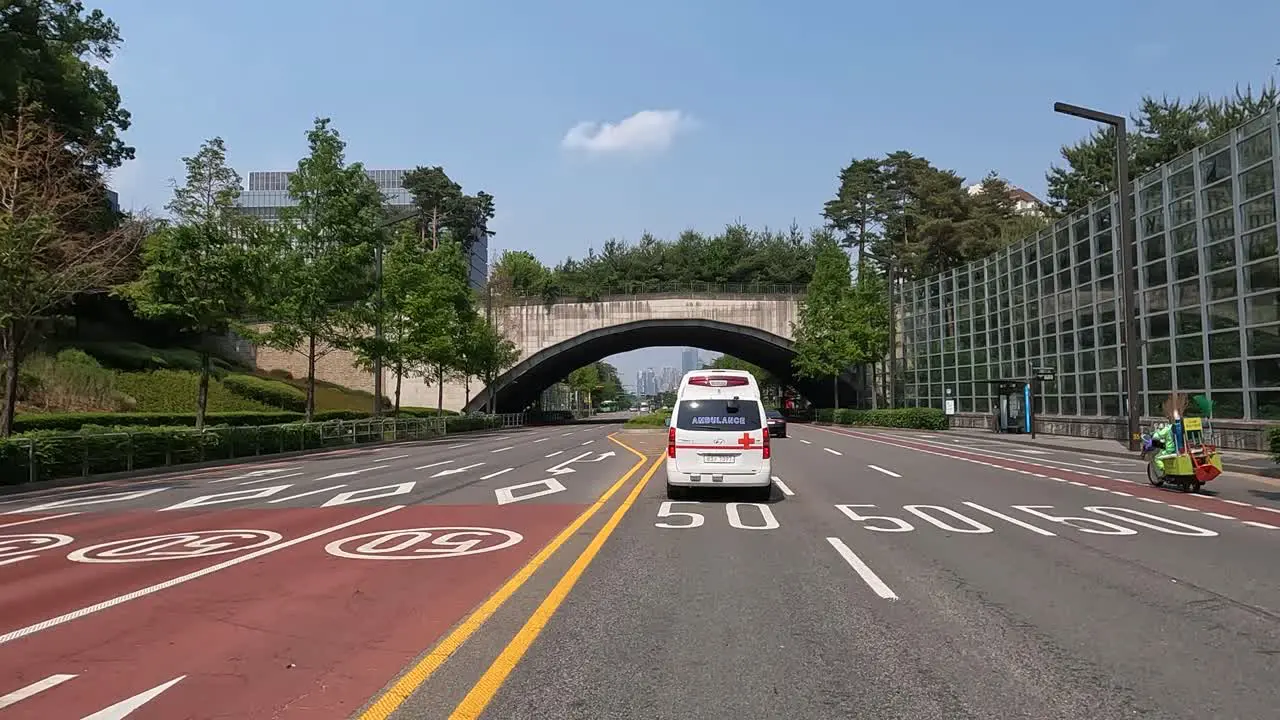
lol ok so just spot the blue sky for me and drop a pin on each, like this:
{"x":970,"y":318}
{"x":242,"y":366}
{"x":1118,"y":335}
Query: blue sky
{"x":755,"y":105}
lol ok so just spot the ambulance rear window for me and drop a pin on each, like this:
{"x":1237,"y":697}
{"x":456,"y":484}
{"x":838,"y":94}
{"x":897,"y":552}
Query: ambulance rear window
{"x":718,"y":415}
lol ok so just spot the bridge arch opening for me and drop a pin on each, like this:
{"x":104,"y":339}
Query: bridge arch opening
{"x":523,"y":384}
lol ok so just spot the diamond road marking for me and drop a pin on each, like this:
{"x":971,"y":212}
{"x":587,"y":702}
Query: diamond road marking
{"x":507,"y":495}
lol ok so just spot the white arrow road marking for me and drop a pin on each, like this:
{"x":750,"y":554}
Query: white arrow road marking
{"x":34,"y":688}
{"x":349,"y":473}
{"x":254,"y":474}
{"x":561,"y":469}
{"x":268,"y":479}
{"x":602,"y":456}
{"x":90,"y":500}
{"x":309,"y":492}
{"x":434,"y":464}
{"x":507,"y":494}
{"x":124,"y":708}
{"x":455,"y":471}
{"x":354,"y":496}
{"x":227,"y":497}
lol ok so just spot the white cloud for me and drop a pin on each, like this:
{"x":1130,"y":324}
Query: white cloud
{"x":646,"y":131}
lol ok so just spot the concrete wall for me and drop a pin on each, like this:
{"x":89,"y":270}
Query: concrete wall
{"x":1229,"y":434}
{"x":535,"y":326}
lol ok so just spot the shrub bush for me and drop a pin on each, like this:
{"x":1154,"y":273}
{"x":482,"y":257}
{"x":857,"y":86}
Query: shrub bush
{"x":174,"y":391}
{"x":1274,"y":436}
{"x":98,"y":449}
{"x":272,"y":393}
{"x":72,"y":380}
{"x":912,"y":418}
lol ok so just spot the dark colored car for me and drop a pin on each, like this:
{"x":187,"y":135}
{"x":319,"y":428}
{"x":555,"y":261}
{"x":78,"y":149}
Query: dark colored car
{"x":777,"y":424}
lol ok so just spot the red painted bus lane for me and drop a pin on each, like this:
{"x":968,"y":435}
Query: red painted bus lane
{"x":61,"y":565}
{"x":313,"y":630}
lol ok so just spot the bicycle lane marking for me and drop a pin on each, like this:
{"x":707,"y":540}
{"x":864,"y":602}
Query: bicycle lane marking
{"x":1253,"y":516}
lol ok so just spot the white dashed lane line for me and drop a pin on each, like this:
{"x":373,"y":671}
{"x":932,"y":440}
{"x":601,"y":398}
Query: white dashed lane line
{"x":1077,"y":483}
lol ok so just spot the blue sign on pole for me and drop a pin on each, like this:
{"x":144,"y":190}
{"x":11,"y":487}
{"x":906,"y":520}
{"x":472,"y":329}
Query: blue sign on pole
{"x":1026,"y":406}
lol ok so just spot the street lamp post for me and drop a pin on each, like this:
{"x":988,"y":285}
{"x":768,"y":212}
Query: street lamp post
{"x":1129,"y":281}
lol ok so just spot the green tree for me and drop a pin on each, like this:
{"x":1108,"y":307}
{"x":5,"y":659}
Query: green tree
{"x":323,"y":275}
{"x":202,"y":271}
{"x":45,"y":51}
{"x":52,"y":247}
{"x":444,"y":305}
{"x":518,"y":272}
{"x":488,"y":353}
{"x":586,"y":380}
{"x":1161,"y":131}
{"x":825,"y":336}
{"x":858,"y":209}
{"x":405,"y":271}
{"x":445,"y":209}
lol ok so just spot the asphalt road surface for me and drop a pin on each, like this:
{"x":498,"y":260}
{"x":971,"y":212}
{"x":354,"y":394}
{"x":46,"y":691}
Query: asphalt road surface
{"x":542,"y":573}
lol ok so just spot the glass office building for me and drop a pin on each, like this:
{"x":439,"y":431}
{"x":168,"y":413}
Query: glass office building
{"x":266,"y":192}
{"x":1208,"y":298}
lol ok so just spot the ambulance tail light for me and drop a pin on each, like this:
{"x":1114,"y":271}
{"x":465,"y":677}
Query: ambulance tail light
{"x":713,"y":381}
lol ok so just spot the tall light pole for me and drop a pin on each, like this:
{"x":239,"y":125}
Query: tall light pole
{"x":1129,"y":275}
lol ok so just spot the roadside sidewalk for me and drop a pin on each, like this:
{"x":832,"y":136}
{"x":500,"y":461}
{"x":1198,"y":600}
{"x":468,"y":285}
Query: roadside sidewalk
{"x":1239,"y":461}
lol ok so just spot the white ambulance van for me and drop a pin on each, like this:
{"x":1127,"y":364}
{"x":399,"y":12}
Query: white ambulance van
{"x":719,"y":435}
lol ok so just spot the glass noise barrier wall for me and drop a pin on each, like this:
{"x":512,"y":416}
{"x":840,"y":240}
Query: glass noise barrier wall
{"x":1208,"y":297}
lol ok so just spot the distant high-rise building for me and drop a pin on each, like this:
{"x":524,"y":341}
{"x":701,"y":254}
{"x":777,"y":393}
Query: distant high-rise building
{"x":689,"y":359}
{"x":668,"y":379}
{"x":113,"y":199}
{"x":266,"y":192}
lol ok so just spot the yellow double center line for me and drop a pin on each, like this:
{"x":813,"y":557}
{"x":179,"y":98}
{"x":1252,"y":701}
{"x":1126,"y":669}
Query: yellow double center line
{"x":482,"y":692}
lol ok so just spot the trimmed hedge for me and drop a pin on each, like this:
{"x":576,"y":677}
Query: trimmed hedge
{"x":174,"y":391}
{"x":72,"y":422}
{"x":912,"y":418}
{"x":101,"y":449}
{"x":273,"y":393}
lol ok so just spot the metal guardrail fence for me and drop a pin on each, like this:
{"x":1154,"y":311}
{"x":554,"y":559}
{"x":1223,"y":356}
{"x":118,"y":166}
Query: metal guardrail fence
{"x":56,"y":457}
{"x":669,"y":288}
